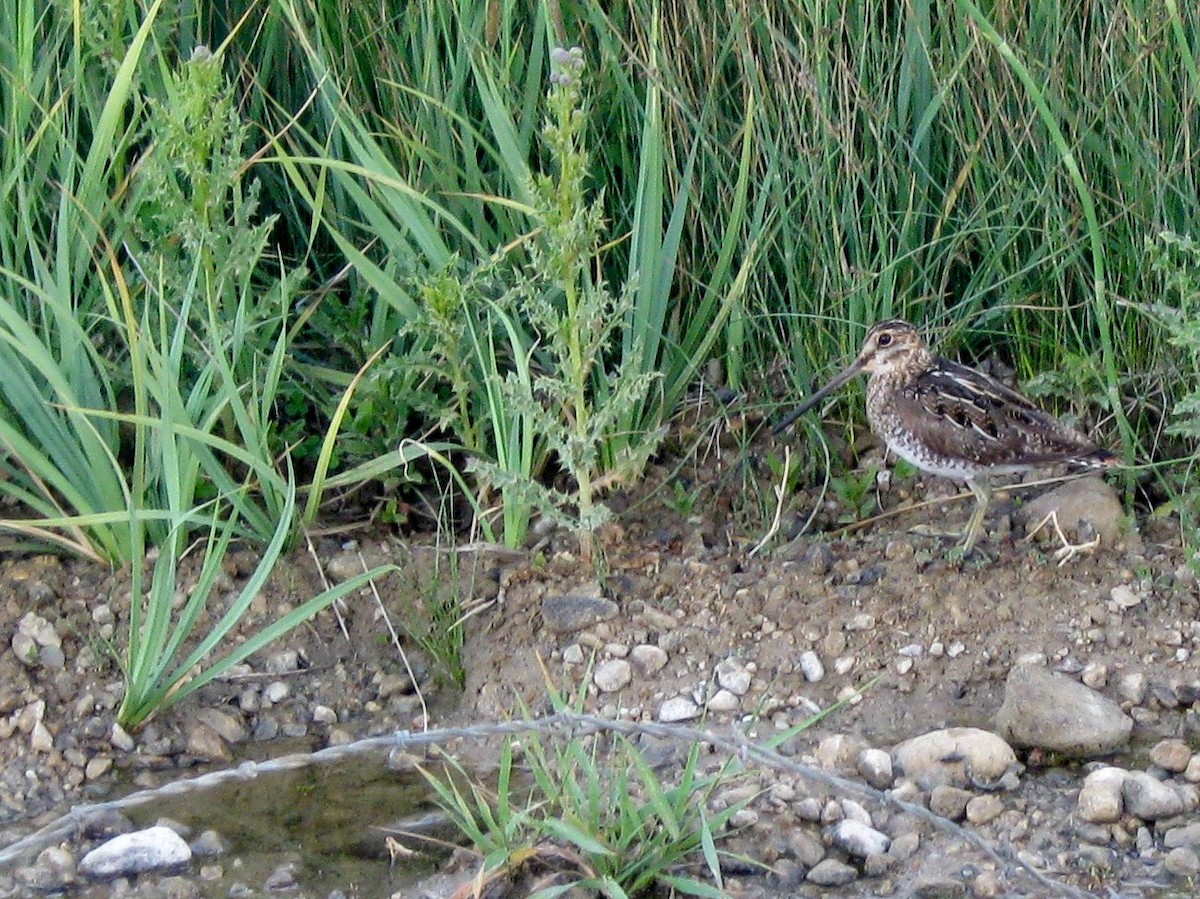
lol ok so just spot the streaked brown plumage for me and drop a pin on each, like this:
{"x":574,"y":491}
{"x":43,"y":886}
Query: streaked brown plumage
{"x":951,"y":420}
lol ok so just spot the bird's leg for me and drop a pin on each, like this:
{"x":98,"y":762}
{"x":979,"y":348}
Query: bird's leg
{"x":983,"y":499}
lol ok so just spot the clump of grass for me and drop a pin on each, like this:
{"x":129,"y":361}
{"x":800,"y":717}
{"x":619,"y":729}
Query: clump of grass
{"x":166,"y":658}
{"x":595,"y":813}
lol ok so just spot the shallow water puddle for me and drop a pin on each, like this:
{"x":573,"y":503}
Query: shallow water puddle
{"x":330,"y":820}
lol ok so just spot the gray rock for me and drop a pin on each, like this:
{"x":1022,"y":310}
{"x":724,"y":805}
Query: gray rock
{"x":648,"y":659}
{"x":206,"y":743}
{"x":832,"y":873}
{"x":984,"y":809}
{"x":956,"y":756}
{"x":839,"y":752}
{"x":732,"y":675}
{"x":1182,"y":862}
{"x":53,"y":871}
{"x":1171,"y":755}
{"x":939,"y":888}
{"x":806,"y":848}
{"x":875,"y":767}
{"x":811,"y":666}
{"x":284,"y":661}
{"x":570,"y":612}
{"x":1187,"y":835}
{"x":723,"y":701}
{"x":1054,"y":712}
{"x":152,"y":849}
{"x":858,"y":839}
{"x":1100,"y":799}
{"x":1083,"y":507}
{"x":1192,"y":772}
{"x":1132,"y":687}
{"x":678,"y":708}
{"x":949,"y":802}
{"x":209,"y":844}
{"x":1148,"y":798}
{"x":230,"y":727}
{"x":285,"y":877}
{"x":612,"y":675}
{"x":905,"y":845}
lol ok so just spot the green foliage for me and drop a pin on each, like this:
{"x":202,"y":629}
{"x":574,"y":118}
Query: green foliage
{"x":856,"y":490}
{"x":627,"y":832}
{"x":576,"y":400}
{"x":1176,"y":259}
{"x":158,"y":673}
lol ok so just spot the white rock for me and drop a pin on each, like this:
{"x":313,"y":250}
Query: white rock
{"x":648,"y":659}
{"x":154,"y":849}
{"x":1100,"y":798}
{"x":1148,"y":798}
{"x":957,"y":756}
{"x":723,"y":701}
{"x":1132,"y":687}
{"x":811,"y":666}
{"x":1123,"y":597}
{"x":875,"y":767}
{"x":1052,"y":711}
{"x":678,"y":708}
{"x":1095,"y":675}
{"x":1192,"y":772}
{"x":573,"y":654}
{"x":858,"y":839}
{"x":612,"y":675}
{"x":733,"y":676}
{"x":863,"y":621}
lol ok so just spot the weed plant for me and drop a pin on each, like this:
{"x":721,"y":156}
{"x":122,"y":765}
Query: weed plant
{"x":595,"y":812}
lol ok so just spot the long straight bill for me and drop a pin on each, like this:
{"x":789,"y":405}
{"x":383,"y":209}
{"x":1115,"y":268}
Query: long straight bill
{"x":837,"y":383}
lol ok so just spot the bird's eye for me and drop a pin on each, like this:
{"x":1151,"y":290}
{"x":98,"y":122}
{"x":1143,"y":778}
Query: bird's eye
{"x":885,"y":339}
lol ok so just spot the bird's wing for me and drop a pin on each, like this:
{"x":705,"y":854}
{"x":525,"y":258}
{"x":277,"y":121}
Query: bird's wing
{"x":962,"y":413}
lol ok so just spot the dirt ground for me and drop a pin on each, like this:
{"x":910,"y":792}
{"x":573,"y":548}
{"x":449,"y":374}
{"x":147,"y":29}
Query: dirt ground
{"x":930,"y":639}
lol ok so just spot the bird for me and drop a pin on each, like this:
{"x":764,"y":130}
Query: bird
{"x":953,"y":421}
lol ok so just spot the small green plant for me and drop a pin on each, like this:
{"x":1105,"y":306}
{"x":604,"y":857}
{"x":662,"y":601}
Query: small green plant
{"x":682,"y":500}
{"x":435,"y":619}
{"x":597,"y":812}
{"x":158,"y":673}
{"x":856,"y":490}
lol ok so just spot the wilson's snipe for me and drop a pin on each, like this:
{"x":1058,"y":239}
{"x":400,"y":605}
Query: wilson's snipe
{"x":953,"y":421}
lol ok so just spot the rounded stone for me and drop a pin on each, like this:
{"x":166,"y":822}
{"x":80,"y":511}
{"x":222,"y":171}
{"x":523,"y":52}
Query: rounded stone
{"x":648,"y":659}
{"x":1182,"y":862}
{"x":858,"y":839}
{"x":612,"y":675}
{"x":1051,"y":711}
{"x":812,"y":667}
{"x":1171,"y":755}
{"x":984,"y":809}
{"x":957,"y":756}
{"x":1100,"y":799}
{"x":875,"y":767}
{"x":949,"y":802}
{"x":830,"y":872}
{"x":678,"y":708}
{"x":1148,"y":798}
{"x":723,"y":701}
{"x":152,"y":849}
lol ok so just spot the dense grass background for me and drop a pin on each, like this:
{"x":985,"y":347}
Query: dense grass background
{"x":774,"y":178}
{"x":319,"y":236}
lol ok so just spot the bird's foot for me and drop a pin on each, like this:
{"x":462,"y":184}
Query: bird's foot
{"x":1068,"y":550}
